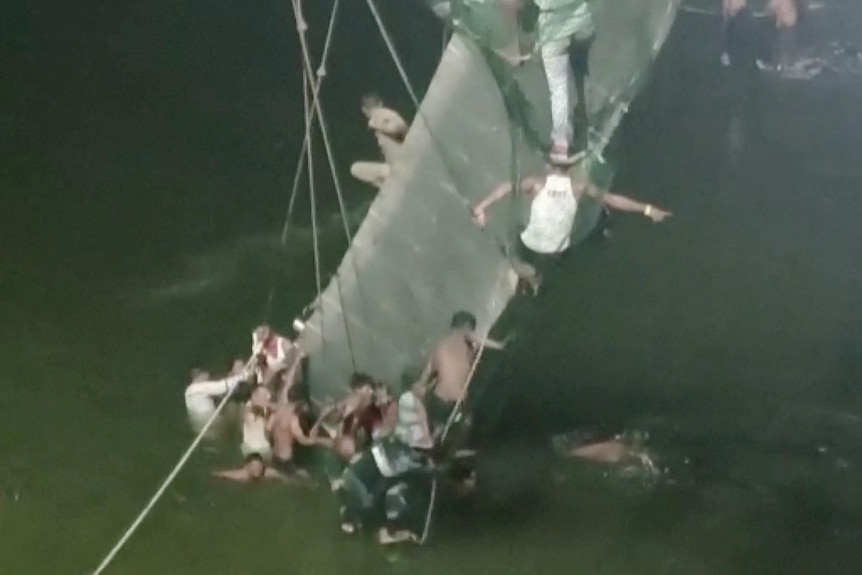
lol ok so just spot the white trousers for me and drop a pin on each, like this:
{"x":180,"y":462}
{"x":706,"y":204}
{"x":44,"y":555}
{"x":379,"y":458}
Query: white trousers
{"x":558,"y":73}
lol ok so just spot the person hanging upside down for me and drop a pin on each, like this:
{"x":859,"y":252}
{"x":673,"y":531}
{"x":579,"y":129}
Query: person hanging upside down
{"x":554,"y":199}
{"x":566,"y":31}
{"x":449,"y":365}
{"x":390,"y":129}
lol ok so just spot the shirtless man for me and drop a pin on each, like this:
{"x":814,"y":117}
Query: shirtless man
{"x":255,"y":446}
{"x":390,"y":129}
{"x":449,"y":365}
{"x":786,"y":14}
{"x":285,"y":426}
{"x":554,"y":199}
{"x":271,"y":353}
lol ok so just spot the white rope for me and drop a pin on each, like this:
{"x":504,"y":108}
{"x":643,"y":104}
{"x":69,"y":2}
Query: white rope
{"x":311,"y":109}
{"x":333,"y":171}
{"x":449,"y":422}
{"x":166,"y":483}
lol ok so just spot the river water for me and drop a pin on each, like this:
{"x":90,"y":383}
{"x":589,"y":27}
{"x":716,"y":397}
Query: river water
{"x":148,"y":154}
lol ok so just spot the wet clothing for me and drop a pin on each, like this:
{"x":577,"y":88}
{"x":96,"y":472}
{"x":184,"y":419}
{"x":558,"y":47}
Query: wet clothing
{"x":201,"y":396}
{"x":552,"y":216}
{"x":284,"y":466}
{"x":254,"y":439}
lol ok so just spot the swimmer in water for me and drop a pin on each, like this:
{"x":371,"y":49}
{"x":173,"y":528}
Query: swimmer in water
{"x":255,"y":445}
{"x":203,"y":393}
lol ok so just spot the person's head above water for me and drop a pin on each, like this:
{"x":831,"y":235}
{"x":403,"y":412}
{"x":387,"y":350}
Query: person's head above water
{"x":261,"y":333}
{"x":362,"y":383}
{"x":370,"y":102}
{"x":463,"y":320}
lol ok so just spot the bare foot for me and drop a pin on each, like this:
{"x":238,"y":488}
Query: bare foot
{"x":384,"y":537}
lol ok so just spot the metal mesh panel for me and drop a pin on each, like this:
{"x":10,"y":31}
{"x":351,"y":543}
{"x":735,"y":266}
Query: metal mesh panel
{"x":417,"y":258}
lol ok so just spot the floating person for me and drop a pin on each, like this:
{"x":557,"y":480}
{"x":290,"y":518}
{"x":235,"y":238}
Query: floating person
{"x":204,"y":393}
{"x":566,"y":31}
{"x":554,"y":200}
{"x":390,"y":130}
{"x":786,"y":44}
{"x":626,"y":451}
{"x":255,"y":447}
{"x":448,"y":367}
{"x":271,"y":353}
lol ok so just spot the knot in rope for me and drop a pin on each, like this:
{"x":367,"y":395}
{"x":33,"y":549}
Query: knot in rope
{"x":321,"y":73}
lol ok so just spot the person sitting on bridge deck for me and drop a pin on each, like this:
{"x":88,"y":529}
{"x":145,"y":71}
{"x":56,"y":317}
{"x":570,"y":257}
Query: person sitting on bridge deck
{"x":554,"y":199}
{"x":390,"y":129}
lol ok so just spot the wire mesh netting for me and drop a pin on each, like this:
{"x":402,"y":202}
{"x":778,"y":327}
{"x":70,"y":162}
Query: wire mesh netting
{"x":417,"y":258}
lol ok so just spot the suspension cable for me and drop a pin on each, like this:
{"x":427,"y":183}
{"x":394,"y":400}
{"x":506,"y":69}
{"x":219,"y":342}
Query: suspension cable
{"x":297,"y":6}
{"x":309,"y":116}
{"x":408,"y":85}
{"x":306,"y":141}
{"x":311,"y":192}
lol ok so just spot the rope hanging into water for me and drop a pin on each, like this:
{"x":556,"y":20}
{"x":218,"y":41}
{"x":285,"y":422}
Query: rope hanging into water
{"x":306,"y":141}
{"x":310,"y":165}
{"x":309,"y":113}
{"x":167,"y":482}
{"x":449,"y":423}
{"x":333,"y":171}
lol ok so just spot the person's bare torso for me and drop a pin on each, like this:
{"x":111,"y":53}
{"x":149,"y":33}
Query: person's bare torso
{"x":282,"y":432}
{"x":732,"y":7}
{"x":453,"y":359}
{"x":785,"y":13}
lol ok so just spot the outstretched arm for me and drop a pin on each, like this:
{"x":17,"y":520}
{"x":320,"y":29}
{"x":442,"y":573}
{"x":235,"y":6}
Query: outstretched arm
{"x":526,"y":186}
{"x":626,"y":204}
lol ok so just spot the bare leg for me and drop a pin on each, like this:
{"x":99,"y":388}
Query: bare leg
{"x":386,"y":538}
{"x":242,"y":475}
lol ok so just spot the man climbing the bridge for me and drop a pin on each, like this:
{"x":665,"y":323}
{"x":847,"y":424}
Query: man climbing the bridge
{"x":554,"y":200}
{"x":566,"y":31}
{"x":390,"y":129}
{"x":449,"y":366}
{"x":271,"y":353}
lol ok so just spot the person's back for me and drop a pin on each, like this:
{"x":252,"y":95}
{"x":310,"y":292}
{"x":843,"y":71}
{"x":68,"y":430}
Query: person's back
{"x":785,"y":13}
{"x":453,"y":359}
{"x":552,"y":216}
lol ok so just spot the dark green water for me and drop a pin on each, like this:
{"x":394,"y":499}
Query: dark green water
{"x":147,"y":154}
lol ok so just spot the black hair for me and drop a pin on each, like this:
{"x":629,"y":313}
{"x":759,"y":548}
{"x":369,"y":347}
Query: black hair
{"x":360,"y":379}
{"x":371,"y":101}
{"x":464,"y":319}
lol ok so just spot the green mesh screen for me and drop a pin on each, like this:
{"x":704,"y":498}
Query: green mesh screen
{"x":417,"y":257}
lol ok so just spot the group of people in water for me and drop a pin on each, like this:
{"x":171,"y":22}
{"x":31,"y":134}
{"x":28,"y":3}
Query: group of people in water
{"x":385,"y":454}
{"x":380,"y":452}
